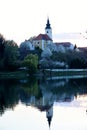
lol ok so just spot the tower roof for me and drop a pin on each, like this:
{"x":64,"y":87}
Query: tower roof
{"x":48,"y":24}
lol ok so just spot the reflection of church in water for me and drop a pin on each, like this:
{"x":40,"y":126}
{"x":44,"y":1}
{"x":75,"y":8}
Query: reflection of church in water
{"x":49,"y":112}
{"x":48,"y":97}
{"x":51,"y":92}
{"x":49,"y":115}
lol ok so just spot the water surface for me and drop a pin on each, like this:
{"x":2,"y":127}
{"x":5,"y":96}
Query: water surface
{"x":43,"y":104}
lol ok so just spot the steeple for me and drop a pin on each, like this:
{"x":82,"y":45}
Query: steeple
{"x":48,"y":24}
{"x":48,"y":29}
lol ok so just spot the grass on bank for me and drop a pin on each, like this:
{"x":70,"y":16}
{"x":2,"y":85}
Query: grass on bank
{"x":15,"y":74}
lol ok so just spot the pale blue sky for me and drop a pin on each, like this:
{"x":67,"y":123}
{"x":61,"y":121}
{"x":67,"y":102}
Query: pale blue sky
{"x":21,"y":19}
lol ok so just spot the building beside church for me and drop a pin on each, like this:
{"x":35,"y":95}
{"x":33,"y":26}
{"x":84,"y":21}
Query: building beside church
{"x":42,"y":40}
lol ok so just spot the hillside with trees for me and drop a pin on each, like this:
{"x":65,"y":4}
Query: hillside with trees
{"x":14,"y":57}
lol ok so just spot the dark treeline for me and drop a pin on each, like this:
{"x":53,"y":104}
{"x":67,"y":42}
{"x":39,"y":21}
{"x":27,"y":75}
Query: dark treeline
{"x":8,"y":54}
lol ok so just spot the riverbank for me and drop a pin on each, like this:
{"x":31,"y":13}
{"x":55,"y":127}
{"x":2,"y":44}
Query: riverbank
{"x":14,"y":75}
{"x":65,"y":72}
{"x":46,"y":73}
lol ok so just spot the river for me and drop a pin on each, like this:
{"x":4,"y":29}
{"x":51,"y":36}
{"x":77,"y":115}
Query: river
{"x":43,"y":104}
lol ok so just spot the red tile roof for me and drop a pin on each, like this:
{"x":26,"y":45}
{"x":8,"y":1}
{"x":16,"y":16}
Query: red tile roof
{"x":42,"y":37}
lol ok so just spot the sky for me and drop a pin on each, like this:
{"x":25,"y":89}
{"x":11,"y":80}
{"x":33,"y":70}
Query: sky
{"x":22,"y":19}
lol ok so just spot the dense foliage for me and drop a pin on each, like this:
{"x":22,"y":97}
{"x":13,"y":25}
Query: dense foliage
{"x":31,"y":63}
{"x":8,"y":54}
{"x":63,"y":59}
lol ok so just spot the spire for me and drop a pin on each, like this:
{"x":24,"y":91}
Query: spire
{"x":48,"y":29}
{"x":48,"y":24}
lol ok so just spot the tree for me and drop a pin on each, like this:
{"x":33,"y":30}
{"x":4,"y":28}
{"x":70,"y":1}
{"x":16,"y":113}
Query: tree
{"x":2,"y":41}
{"x":46,"y":53}
{"x":38,"y":51}
{"x":10,"y":54}
{"x":31,"y":62}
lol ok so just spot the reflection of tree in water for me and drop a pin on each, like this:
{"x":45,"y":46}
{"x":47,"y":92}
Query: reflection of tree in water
{"x":8,"y":95}
{"x":30,"y":91}
{"x":39,"y":93}
{"x":11,"y":91}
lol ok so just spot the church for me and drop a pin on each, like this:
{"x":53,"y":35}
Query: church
{"x":42,"y":40}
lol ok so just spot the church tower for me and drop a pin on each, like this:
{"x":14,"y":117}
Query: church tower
{"x":48,"y":29}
